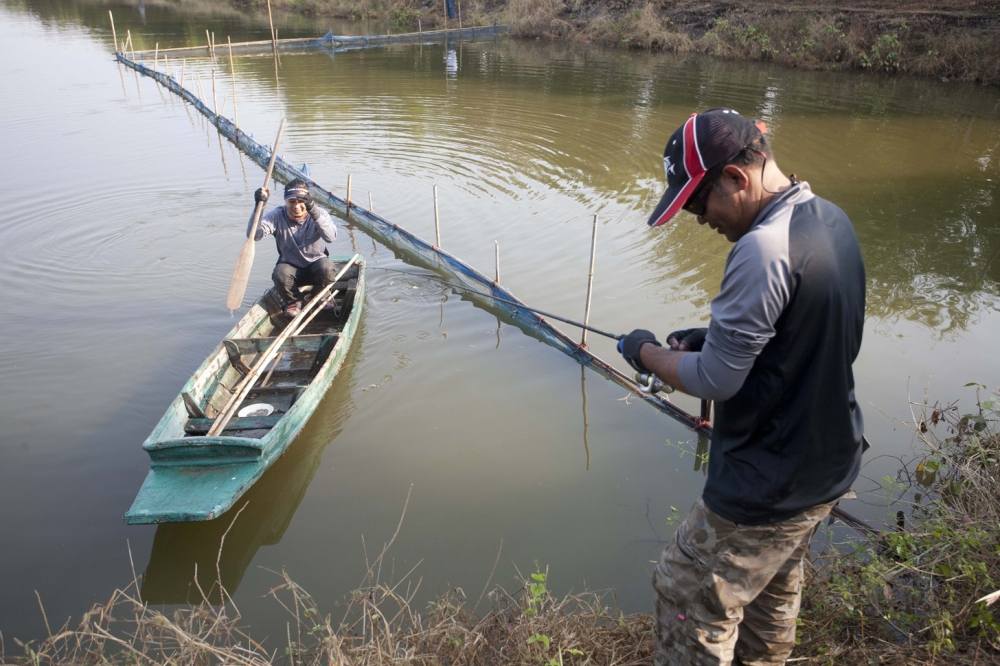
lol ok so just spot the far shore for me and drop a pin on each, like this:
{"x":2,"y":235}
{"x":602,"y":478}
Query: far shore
{"x":947,"y":40}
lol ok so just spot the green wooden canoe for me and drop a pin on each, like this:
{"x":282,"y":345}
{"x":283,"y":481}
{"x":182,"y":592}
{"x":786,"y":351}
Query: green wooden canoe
{"x":197,"y":476}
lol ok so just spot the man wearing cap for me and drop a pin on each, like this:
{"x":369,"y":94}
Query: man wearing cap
{"x":301,"y":230}
{"x":776,"y":358}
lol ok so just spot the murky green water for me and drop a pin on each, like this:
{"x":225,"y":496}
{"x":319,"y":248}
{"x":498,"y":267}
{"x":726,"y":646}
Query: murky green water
{"x":124,"y":212}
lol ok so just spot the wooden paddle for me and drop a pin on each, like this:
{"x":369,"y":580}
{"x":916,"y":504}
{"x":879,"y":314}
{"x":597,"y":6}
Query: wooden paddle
{"x":241,"y":274}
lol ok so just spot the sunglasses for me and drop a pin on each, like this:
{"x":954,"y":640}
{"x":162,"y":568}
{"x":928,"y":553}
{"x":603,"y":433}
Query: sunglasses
{"x":698,"y":201}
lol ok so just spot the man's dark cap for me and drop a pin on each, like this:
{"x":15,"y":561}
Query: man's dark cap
{"x":704,"y":141}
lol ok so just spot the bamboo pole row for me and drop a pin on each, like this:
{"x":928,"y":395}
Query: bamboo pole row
{"x":496,"y":244}
{"x":437,"y":216}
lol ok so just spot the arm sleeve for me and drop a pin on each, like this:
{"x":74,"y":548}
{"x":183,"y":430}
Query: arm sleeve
{"x":327,"y":229}
{"x":265,"y":227}
{"x":756,"y":287}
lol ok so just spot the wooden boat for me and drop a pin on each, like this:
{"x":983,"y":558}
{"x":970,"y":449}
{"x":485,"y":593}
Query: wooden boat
{"x":246,"y":403}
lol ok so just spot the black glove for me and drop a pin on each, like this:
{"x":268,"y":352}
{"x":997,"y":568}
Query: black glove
{"x":260,"y":196}
{"x":312,"y":208}
{"x":691,"y":339}
{"x":630,"y":346}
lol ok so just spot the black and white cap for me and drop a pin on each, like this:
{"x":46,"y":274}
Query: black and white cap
{"x":704,"y":141}
{"x":297,"y":189}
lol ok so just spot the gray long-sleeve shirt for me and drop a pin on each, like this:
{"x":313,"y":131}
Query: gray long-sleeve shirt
{"x":786,"y":328}
{"x":299,"y":244}
{"x":756,"y":288}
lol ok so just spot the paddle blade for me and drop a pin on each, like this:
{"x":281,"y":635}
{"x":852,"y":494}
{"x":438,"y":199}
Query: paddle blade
{"x":241,"y":275}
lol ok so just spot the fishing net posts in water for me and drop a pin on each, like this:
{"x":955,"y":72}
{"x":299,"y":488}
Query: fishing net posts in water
{"x":416,"y":251}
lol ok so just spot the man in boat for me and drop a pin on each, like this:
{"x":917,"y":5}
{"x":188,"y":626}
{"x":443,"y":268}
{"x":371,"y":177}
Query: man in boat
{"x":301,"y":230}
{"x":776,"y":358}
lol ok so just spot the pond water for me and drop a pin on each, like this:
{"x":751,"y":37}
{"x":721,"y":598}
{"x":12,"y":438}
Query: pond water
{"x":124,"y":212}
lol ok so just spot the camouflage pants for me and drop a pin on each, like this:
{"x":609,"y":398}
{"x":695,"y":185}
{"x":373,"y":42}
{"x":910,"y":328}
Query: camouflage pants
{"x":727,"y":591}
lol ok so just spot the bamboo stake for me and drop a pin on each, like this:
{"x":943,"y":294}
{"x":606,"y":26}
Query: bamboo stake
{"x":496,"y":245}
{"x":232,"y":69}
{"x":348,"y":196}
{"x":182,"y":72}
{"x":459,"y":14}
{"x":274,"y":36}
{"x":114,"y":35}
{"x":128,"y":42}
{"x":590,"y":282}
{"x":444,"y":8}
{"x":371,"y":203}
{"x":156,"y":56}
{"x":437,"y":220}
{"x":215,"y":100}
{"x":208,"y":43}
{"x":213,"y":43}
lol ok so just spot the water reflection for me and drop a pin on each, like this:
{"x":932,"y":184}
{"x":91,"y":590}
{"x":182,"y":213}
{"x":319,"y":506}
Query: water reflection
{"x":259,"y":518}
{"x":531,"y":120}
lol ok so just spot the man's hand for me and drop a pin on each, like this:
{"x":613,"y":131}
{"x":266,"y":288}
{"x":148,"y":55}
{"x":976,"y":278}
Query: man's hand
{"x":261,"y":195}
{"x":630,"y":346}
{"x":312,"y":208}
{"x":687,"y":339}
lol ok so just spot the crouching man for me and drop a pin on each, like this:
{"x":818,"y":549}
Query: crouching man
{"x":301,"y":230}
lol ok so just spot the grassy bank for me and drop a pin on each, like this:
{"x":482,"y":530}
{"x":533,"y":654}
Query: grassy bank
{"x":946,"y":39}
{"x":919,"y":595}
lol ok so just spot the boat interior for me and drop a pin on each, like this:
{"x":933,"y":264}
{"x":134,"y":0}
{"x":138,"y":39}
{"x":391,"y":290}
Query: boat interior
{"x":281,"y":379}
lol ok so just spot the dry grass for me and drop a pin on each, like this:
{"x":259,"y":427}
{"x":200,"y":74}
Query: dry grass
{"x":642,"y":27}
{"x":537,"y":18}
{"x":916,"y":596}
{"x":381,"y":626}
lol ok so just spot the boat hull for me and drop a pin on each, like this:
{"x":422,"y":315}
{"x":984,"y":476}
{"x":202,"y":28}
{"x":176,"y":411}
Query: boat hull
{"x":198,"y":477}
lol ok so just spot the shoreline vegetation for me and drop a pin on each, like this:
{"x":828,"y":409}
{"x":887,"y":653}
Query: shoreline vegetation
{"x":947,"y":40}
{"x":927,"y":592}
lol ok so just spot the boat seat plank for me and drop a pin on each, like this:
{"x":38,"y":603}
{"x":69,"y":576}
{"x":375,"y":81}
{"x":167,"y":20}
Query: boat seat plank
{"x":201,"y":426}
{"x":246,"y":346}
{"x":192,"y":407}
{"x":233,"y":351}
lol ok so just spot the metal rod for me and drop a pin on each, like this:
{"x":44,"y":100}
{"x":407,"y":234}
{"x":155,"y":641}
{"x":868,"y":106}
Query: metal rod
{"x":232,"y":69}
{"x":496,"y":247}
{"x":437,"y":220}
{"x":590,"y":282}
{"x":114,"y":35}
